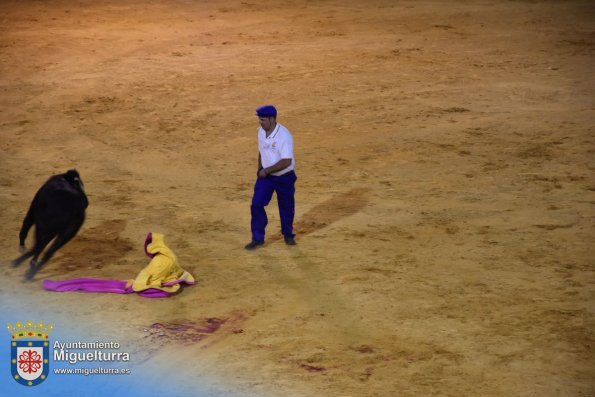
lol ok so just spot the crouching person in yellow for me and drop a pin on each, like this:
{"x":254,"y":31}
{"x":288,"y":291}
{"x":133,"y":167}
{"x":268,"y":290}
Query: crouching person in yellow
{"x":163,"y":272}
{"x":161,"y":278}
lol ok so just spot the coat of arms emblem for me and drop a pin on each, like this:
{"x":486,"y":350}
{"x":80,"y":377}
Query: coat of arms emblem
{"x":29,"y":352}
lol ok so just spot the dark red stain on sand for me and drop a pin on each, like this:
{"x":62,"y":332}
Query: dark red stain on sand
{"x":312,"y":368}
{"x":186,"y":331}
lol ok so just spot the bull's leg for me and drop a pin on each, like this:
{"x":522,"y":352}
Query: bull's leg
{"x":60,"y":240}
{"x":22,"y":258}
{"x":41,"y":240}
{"x":27,"y":223}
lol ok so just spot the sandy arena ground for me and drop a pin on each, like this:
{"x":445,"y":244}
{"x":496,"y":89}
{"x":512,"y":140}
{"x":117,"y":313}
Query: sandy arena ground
{"x":445,"y":212}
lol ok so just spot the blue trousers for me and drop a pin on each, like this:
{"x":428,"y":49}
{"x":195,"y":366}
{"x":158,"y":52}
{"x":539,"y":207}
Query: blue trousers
{"x":284,"y":186}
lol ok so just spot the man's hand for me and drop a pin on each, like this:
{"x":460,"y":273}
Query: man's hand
{"x":262,"y":173}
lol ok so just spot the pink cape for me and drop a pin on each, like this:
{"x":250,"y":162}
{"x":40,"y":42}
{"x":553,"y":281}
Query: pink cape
{"x":111,"y":286}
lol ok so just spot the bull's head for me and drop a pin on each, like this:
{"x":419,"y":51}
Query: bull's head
{"x":73,"y":177}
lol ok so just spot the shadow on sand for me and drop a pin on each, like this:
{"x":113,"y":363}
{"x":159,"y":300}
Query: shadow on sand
{"x":329,"y":212}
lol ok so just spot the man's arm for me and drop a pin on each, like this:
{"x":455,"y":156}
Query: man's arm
{"x":278,"y":166}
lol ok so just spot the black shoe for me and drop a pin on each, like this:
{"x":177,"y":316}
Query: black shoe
{"x":290,"y":241}
{"x":253,"y":244}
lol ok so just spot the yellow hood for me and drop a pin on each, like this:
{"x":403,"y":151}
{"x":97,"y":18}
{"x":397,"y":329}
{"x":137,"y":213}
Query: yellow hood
{"x":155,"y":244}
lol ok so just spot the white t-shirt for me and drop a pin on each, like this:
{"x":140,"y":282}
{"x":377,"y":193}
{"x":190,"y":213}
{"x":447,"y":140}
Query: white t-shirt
{"x":278,"y":145}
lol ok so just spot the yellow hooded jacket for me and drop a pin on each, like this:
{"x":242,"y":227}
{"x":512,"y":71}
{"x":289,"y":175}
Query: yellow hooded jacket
{"x":162,"y":269}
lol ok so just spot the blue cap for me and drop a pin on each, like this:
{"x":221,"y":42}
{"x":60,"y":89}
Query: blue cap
{"x":266,"y":111}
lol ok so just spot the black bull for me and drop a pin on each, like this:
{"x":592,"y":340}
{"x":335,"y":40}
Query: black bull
{"x":58,"y":212}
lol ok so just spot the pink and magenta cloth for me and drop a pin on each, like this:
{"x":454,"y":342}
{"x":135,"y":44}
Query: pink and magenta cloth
{"x":110,"y":286}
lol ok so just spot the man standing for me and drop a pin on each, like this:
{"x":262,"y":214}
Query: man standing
{"x":275,"y":174}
